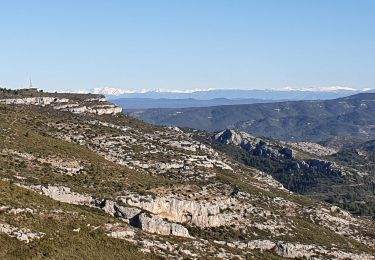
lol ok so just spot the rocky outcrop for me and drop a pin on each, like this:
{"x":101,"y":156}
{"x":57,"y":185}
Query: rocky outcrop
{"x":97,"y":105}
{"x":116,"y":210}
{"x":63,"y":194}
{"x":119,"y":231}
{"x":38,"y":101}
{"x":260,"y":244}
{"x":22,"y":234}
{"x":154,"y":224}
{"x":253,"y":145}
{"x":16,"y":211}
{"x":134,"y":216}
{"x":98,"y":110}
{"x":322,"y":166}
{"x":199,"y":213}
{"x":147,"y":222}
{"x":230,"y":136}
{"x":105,"y":110}
{"x":290,"y":250}
{"x":281,"y":150}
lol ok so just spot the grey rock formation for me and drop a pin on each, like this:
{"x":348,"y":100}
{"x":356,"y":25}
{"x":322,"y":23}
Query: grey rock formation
{"x":290,"y":250}
{"x":199,"y":213}
{"x":154,"y":224}
{"x":38,"y":101}
{"x":115,"y":210}
{"x":21,"y":234}
{"x":63,"y":194}
{"x":97,"y":105}
{"x":253,"y":145}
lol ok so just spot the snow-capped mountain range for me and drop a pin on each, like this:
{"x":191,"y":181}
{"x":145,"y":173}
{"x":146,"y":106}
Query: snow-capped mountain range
{"x":111,"y":91}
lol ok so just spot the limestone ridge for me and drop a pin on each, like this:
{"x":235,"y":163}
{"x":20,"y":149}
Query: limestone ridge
{"x":75,"y":103}
{"x":132,"y":215}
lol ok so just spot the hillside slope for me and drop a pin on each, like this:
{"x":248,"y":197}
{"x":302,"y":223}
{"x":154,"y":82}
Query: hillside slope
{"x":342,"y":177}
{"x":74,"y":181}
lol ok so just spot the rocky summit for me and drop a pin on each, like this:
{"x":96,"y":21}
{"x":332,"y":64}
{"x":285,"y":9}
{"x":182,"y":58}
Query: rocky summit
{"x":82,"y":180}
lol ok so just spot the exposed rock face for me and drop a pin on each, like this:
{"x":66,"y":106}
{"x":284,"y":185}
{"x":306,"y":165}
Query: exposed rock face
{"x":154,"y":224}
{"x":99,"y":110}
{"x":97,"y":105}
{"x":261,"y":244}
{"x":134,"y":216}
{"x":229,"y":136}
{"x":201,"y":214}
{"x":290,"y":250}
{"x":115,"y":210}
{"x":38,"y":101}
{"x":148,"y":223}
{"x":63,"y":194}
{"x":280,"y":151}
{"x":16,"y":211}
{"x":117,"y":231}
{"x":253,"y":145}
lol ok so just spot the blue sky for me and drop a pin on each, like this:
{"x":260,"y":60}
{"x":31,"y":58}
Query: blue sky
{"x":187,"y":44}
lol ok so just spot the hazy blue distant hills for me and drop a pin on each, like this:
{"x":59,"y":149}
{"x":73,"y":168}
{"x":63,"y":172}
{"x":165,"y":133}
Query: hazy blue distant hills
{"x":142,"y":103}
{"x":318,"y":120}
{"x":215,"y":97}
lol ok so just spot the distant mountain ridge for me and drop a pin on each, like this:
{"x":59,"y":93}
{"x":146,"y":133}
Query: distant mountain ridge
{"x":145,"y":103}
{"x":293,"y":120}
{"x":216,"y":97}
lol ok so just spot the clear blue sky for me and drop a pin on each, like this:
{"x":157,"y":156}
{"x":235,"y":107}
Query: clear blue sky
{"x":186,"y":44}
